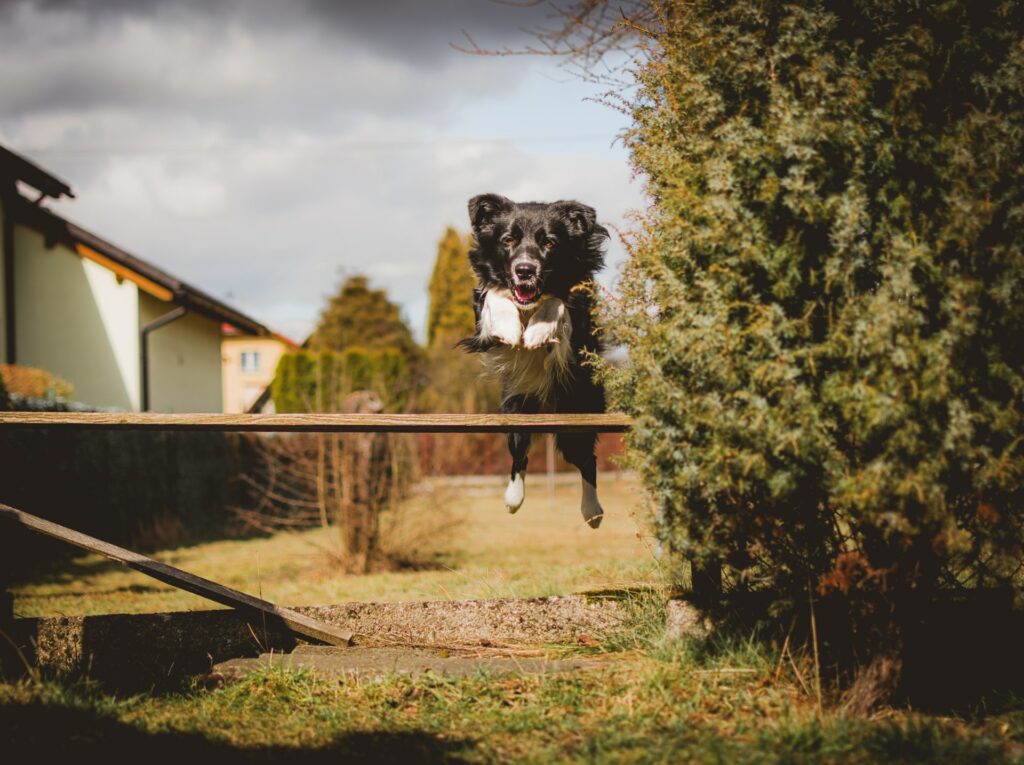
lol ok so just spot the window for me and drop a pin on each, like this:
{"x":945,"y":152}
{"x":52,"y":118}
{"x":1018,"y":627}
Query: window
{"x":250,"y":361}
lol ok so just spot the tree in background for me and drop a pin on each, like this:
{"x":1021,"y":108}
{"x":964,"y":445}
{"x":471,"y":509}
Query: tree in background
{"x":456,"y":380}
{"x":320,"y":381}
{"x":823,"y":312}
{"x":450,"y":315}
{"x":358,"y":316}
{"x":362,"y":360}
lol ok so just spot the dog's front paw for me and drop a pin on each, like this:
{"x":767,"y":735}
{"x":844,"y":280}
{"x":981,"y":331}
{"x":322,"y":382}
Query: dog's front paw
{"x":540,"y":334}
{"x":547,"y":325}
{"x":499,"y":319}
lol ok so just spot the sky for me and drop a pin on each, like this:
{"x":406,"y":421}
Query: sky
{"x":263,"y":150}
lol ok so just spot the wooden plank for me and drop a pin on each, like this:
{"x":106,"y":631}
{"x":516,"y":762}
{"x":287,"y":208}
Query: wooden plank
{"x":325,"y":423}
{"x":296,"y":622}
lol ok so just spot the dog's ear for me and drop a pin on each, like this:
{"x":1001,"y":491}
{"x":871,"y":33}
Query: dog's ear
{"x":484,"y":208}
{"x":579,"y":219}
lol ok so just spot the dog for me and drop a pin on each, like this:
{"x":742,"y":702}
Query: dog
{"x":534,"y":263}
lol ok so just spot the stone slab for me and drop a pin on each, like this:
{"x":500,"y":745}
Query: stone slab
{"x":138,"y":652}
{"x":374,"y":663}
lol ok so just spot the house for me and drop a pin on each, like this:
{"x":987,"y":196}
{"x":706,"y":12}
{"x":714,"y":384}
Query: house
{"x":249,"y":365}
{"x":125,"y":333}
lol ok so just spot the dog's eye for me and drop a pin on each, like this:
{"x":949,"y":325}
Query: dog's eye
{"x":548,"y":244}
{"x":508,"y":240}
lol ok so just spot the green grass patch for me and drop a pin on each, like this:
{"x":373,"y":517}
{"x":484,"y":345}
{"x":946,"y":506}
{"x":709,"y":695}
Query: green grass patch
{"x":732,"y":709}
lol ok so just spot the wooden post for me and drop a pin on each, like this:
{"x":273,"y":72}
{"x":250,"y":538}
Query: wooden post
{"x":550,"y":459}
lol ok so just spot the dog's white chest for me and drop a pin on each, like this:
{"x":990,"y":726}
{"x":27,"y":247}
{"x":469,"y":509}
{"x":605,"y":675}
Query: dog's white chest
{"x":535,"y":343}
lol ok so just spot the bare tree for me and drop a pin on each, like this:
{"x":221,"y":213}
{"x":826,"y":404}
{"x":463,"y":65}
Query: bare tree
{"x":597,"y":38}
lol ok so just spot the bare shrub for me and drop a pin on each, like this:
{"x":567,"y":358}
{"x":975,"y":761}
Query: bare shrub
{"x":347,"y":482}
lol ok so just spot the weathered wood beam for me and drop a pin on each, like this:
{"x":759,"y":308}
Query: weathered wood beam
{"x":324,"y":423}
{"x":183,"y":580}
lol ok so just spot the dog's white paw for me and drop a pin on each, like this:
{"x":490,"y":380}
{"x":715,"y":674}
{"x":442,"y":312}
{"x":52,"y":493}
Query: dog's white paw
{"x":590,"y":507}
{"x":499,"y":318}
{"x":515,"y":493}
{"x":547,"y":325}
{"x":540,"y":333}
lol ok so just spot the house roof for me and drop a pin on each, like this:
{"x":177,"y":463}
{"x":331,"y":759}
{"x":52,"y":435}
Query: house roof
{"x":229,"y":330}
{"x":16,"y":167}
{"x":150,"y":279}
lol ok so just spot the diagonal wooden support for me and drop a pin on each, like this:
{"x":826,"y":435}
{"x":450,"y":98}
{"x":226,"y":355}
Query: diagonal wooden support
{"x":294,"y":621}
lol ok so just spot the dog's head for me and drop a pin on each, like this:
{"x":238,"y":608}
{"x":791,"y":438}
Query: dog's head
{"x":534,"y":248}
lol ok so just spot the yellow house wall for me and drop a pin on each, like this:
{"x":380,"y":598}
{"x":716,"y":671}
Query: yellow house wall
{"x":184,"y":360}
{"x":242,"y":388}
{"x":75,"y":319}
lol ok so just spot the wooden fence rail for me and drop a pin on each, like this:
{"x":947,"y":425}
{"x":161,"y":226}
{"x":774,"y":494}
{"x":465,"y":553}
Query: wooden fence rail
{"x":323,"y":423}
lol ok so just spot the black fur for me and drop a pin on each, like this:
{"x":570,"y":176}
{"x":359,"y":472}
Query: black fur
{"x":556,"y":247}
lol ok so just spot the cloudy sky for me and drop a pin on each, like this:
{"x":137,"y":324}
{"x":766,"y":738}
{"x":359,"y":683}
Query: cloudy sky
{"x":264,"y":150}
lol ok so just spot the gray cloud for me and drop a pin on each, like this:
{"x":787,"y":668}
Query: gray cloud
{"x":413,"y":30}
{"x":262,"y":149}
{"x":266,"y":61}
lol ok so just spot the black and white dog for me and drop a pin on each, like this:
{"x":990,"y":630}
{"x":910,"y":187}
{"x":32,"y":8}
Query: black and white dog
{"x":533,"y":263}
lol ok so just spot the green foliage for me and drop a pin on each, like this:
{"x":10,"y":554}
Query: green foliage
{"x":823,"y":312}
{"x":318,"y":381}
{"x":361,"y":317}
{"x":361,"y":342}
{"x":450,"y":316}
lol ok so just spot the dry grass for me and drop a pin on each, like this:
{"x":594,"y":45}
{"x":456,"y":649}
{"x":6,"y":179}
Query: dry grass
{"x":477,"y":549}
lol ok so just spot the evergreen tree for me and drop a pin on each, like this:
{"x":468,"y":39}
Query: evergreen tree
{"x":360,"y":317}
{"x":823,"y":314}
{"x":456,"y":380}
{"x":450,"y":315}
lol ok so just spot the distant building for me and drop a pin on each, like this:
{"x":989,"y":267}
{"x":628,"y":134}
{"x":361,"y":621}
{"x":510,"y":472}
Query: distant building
{"x":249,"y":365}
{"x":125,"y":333}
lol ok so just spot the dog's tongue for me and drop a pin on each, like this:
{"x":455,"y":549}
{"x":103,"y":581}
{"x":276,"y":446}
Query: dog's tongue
{"x":525,"y":294}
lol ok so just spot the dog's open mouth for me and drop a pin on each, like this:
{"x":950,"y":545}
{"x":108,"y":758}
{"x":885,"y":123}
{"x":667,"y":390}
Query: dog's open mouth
{"x":525,"y":294}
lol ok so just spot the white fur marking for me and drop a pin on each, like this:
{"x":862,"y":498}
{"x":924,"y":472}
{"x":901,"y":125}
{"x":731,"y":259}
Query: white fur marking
{"x":533,"y":371}
{"x":515,"y":492}
{"x":590,"y":507}
{"x":499,"y":318}
{"x":545,"y":324}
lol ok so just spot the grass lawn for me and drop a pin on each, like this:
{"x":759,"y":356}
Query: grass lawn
{"x":662,"y":703}
{"x":477,"y":550}
{"x":653,"y":700}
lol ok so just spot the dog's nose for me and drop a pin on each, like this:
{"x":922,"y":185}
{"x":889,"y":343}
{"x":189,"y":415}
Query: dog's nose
{"x":526,"y":270}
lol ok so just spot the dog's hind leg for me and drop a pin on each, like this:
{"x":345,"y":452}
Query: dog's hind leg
{"x":578,"y":450}
{"x":518,"y":446}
